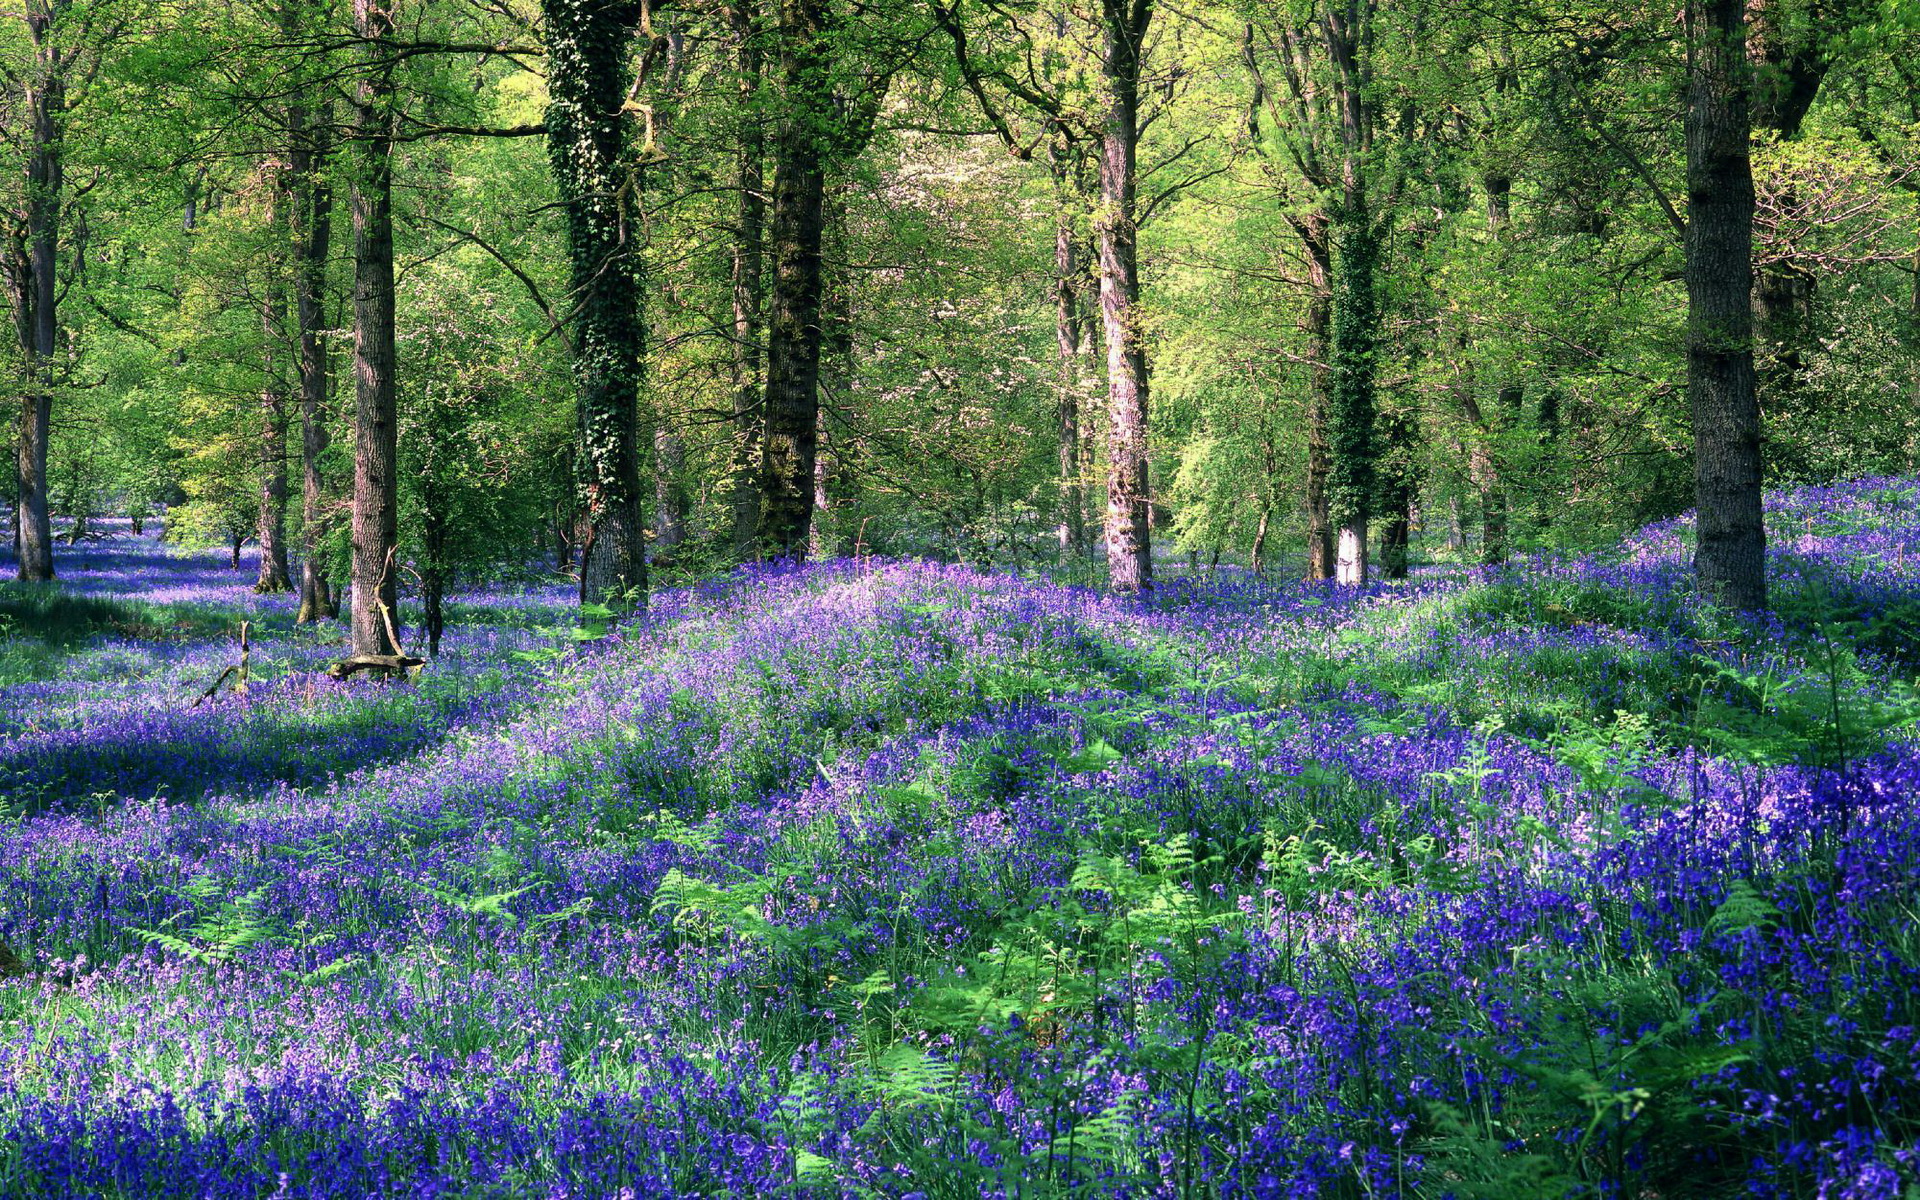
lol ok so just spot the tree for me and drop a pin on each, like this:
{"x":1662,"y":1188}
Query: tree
{"x":56,"y":50}
{"x":375,"y":616}
{"x":1731,"y":555}
{"x":747,"y":465}
{"x":270,"y":527}
{"x":589,"y":74}
{"x":308,"y":125}
{"x":1129,"y":534}
{"x":797,"y":224}
{"x":824,"y":127}
{"x":1309,"y":115}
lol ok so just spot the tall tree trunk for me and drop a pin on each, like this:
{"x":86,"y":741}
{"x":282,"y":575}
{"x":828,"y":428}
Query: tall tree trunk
{"x":589,"y":73}
{"x":376,"y":529}
{"x":32,"y":279}
{"x":818,"y":543}
{"x":1315,"y":232}
{"x":435,"y":528}
{"x":1350,"y":478}
{"x":749,"y":231}
{"x":271,"y":526}
{"x":793,"y":335}
{"x":1356,"y":304}
{"x":312,"y":236}
{"x":1129,"y":536}
{"x":1068,"y":274}
{"x":1731,"y":556}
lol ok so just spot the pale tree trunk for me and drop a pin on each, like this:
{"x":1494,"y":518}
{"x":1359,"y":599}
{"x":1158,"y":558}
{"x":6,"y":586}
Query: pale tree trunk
{"x":312,"y":235}
{"x":1270,"y":472}
{"x":33,"y":284}
{"x":376,"y":505}
{"x":749,"y":230}
{"x":791,"y":411}
{"x":1128,"y":532}
{"x":1731,"y":556}
{"x":818,"y":543}
{"x":589,"y":77}
{"x":1069,"y":273}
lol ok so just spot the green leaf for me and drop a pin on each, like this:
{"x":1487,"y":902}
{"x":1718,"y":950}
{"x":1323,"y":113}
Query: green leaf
{"x":1098,"y":756}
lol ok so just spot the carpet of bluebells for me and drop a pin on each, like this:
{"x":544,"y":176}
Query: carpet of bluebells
{"x":906,"y":880}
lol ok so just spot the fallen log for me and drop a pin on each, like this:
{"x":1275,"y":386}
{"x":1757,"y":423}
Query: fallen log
{"x":239,"y":670}
{"x":374,"y":662}
{"x":214,"y":686}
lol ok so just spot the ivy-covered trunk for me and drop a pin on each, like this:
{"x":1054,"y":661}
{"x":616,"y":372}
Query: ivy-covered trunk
{"x":1356,"y":301}
{"x":589,"y":66}
{"x":1317,"y":240}
{"x":376,"y":502}
{"x":1731,"y":556}
{"x":1356,"y":326}
{"x":1128,"y":531}
{"x":793,"y":331}
{"x":1399,"y":483}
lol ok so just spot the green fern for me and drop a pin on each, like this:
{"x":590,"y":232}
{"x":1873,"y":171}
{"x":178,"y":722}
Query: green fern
{"x":220,"y":935}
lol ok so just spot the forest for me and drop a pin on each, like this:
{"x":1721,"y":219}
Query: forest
{"x":961,"y":598}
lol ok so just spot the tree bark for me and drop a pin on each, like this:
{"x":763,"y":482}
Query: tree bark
{"x":749,"y":231}
{"x":1356,"y":320}
{"x":792,"y":403}
{"x":1730,"y":560}
{"x":836,"y":381}
{"x":310,"y":147}
{"x":1356,"y":308}
{"x":33,"y":283}
{"x":1316,"y":240}
{"x":1129,"y":535}
{"x":375,"y":417}
{"x":589,"y":74}
{"x":1069,"y":274}
{"x":271,"y":527}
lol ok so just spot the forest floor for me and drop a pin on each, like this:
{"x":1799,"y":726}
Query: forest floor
{"x":895,"y":879}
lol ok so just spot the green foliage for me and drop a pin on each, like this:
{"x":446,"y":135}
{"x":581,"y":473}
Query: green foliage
{"x":221,"y":933}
